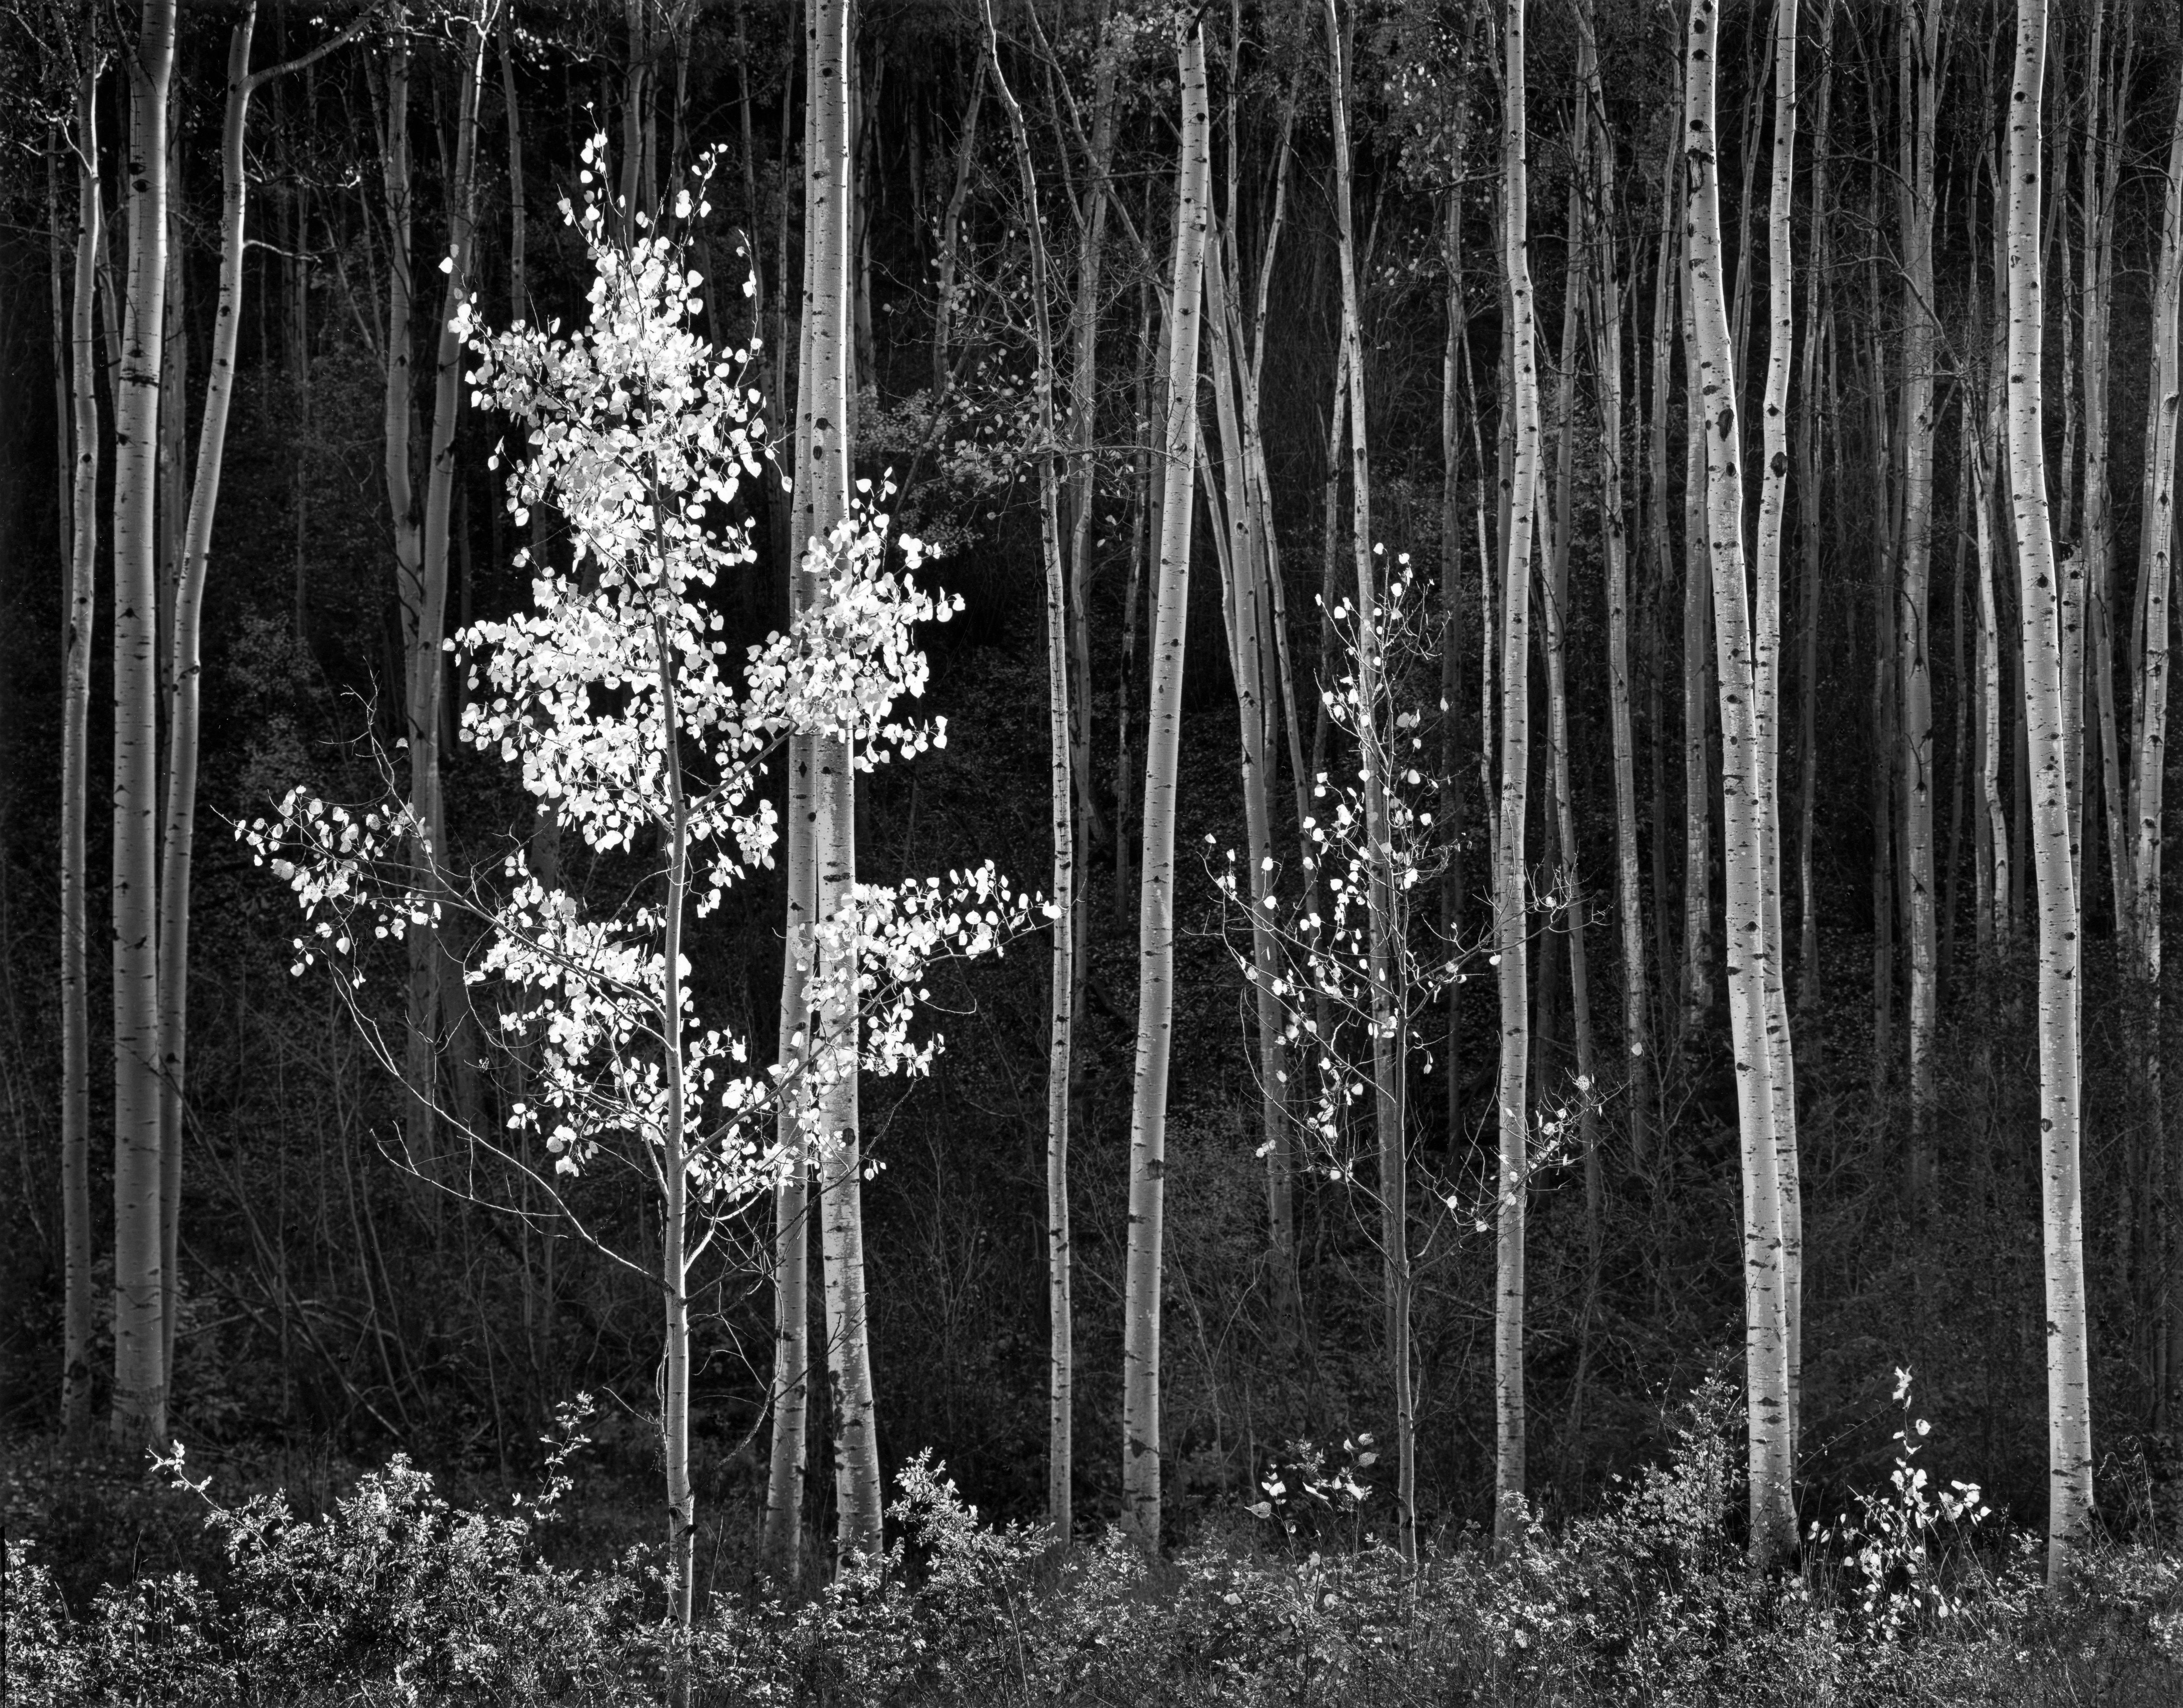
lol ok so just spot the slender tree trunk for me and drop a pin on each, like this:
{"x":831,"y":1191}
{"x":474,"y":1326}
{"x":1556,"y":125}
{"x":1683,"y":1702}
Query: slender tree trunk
{"x":825,"y":399}
{"x":2069,"y":1395}
{"x":1766,"y":674}
{"x":2149,"y":727}
{"x":1817,"y":326}
{"x":1509,"y":865}
{"x":1714,"y":420}
{"x":1697,"y":640}
{"x":951,"y":237}
{"x":79,"y":432}
{"x":139,"y":1375}
{"x":782,"y":1542}
{"x":1142,"y":1450}
{"x":1061,"y":750}
{"x":1919,"y":43}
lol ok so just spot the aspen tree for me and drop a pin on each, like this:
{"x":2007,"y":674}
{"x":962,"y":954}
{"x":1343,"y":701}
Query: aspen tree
{"x":1386,"y":1070}
{"x":1714,"y":420}
{"x":81,"y":535}
{"x":2068,"y":1395}
{"x":1766,"y":683}
{"x":1509,"y":872}
{"x":781,"y":1541}
{"x":2149,"y":725}
{"x":1918,"y":43}
{"x":140,"y":1376}
{"x":1061,"y":749}
{"x":825,"y":399}
{"x":1141,"y":1448}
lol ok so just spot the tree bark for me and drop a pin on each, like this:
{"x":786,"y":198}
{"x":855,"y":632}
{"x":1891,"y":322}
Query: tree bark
{"x":1061,"y":753}
{"x":80,"y":433}
{"x":1510,"y":874}
{"x":2069,"y":1396}
{"x":824,"y":397}
{"x":1714,"y":420}
{"x":1141,"y":1447}
{"x":140,"y":1376}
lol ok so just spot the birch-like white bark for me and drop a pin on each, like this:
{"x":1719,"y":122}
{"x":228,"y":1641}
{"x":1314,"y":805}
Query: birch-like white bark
{"x":1714,"y":420}
{"x":1141,"y":1447}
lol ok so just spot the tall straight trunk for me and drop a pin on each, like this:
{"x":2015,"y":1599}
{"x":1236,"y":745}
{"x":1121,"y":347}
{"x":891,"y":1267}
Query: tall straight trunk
{"x":139,"y":1416}
{"x":399,"y":416}
{"x":2149,"y":730}
{"x":674,"y":1155}
{"x":1766,"y":683}
{"x":1714,"y":420}
{"x":1388,"y":1025}
{"x":1919,"y":42}
{"x":1454,"y":886}
{"x":1061,"y":750}
{"x":1247,"y":623}
{"x":1817,"y":325}
{"x":1606,"y":289}
{"x":824,"y":397}
{"x":1141,"y":1306}
{"x":1083,"y":485}
{"x":1510,"y":875}
{"x":80,"y":433}
{"x":781,"y":1541}
{"x":2105,"y":99}
{"x":2068,"y":1394}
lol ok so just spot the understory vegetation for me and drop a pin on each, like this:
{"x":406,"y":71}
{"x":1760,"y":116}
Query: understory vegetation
{"x":396,"y":1591}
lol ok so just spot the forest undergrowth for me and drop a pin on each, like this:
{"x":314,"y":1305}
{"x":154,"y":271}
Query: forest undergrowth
{"x":395,"y":1593}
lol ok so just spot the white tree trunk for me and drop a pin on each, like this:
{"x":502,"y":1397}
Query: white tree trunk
{"x":140,"y":1376}
{"x":1061,"y":750}
{"x":1713,"y":418}
{"x":1766,"y":669}
{"x":81,"y":523}
{"x":1509,"y":876}
{"x":1142,"y":1451}
{"x":825,"y":401}
{"x":2069,"y":1395}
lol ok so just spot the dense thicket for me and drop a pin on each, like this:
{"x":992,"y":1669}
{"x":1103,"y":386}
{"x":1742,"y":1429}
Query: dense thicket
{"x":341,"y":1270}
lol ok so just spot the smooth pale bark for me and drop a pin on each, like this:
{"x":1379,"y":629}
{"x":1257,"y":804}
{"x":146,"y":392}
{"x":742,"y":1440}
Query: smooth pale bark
{"x":139,"y":1415}
{"x":1605,"y":297}
{"x":1061,"y":752}
{"x":1389,"y":1029}
{"x":781,"y":1541}
{"x":2149,"y":729}
{"x":1714,"y":420}
{"x":2105,"y":97}
{"x":1918,"y":41}
{"x":825,"y":401}
{"x":1510,"y":876}
{"x":1141,"y":1451}
{"x":1666,"y":296}
{"x":2068,"y":1392}
{"x":1697,"y":771}
{"x":1766,"y":681}
{"x":80,"y":428}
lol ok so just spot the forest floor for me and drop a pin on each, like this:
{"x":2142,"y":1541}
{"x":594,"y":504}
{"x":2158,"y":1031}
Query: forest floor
{"x":380,"y":1586}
